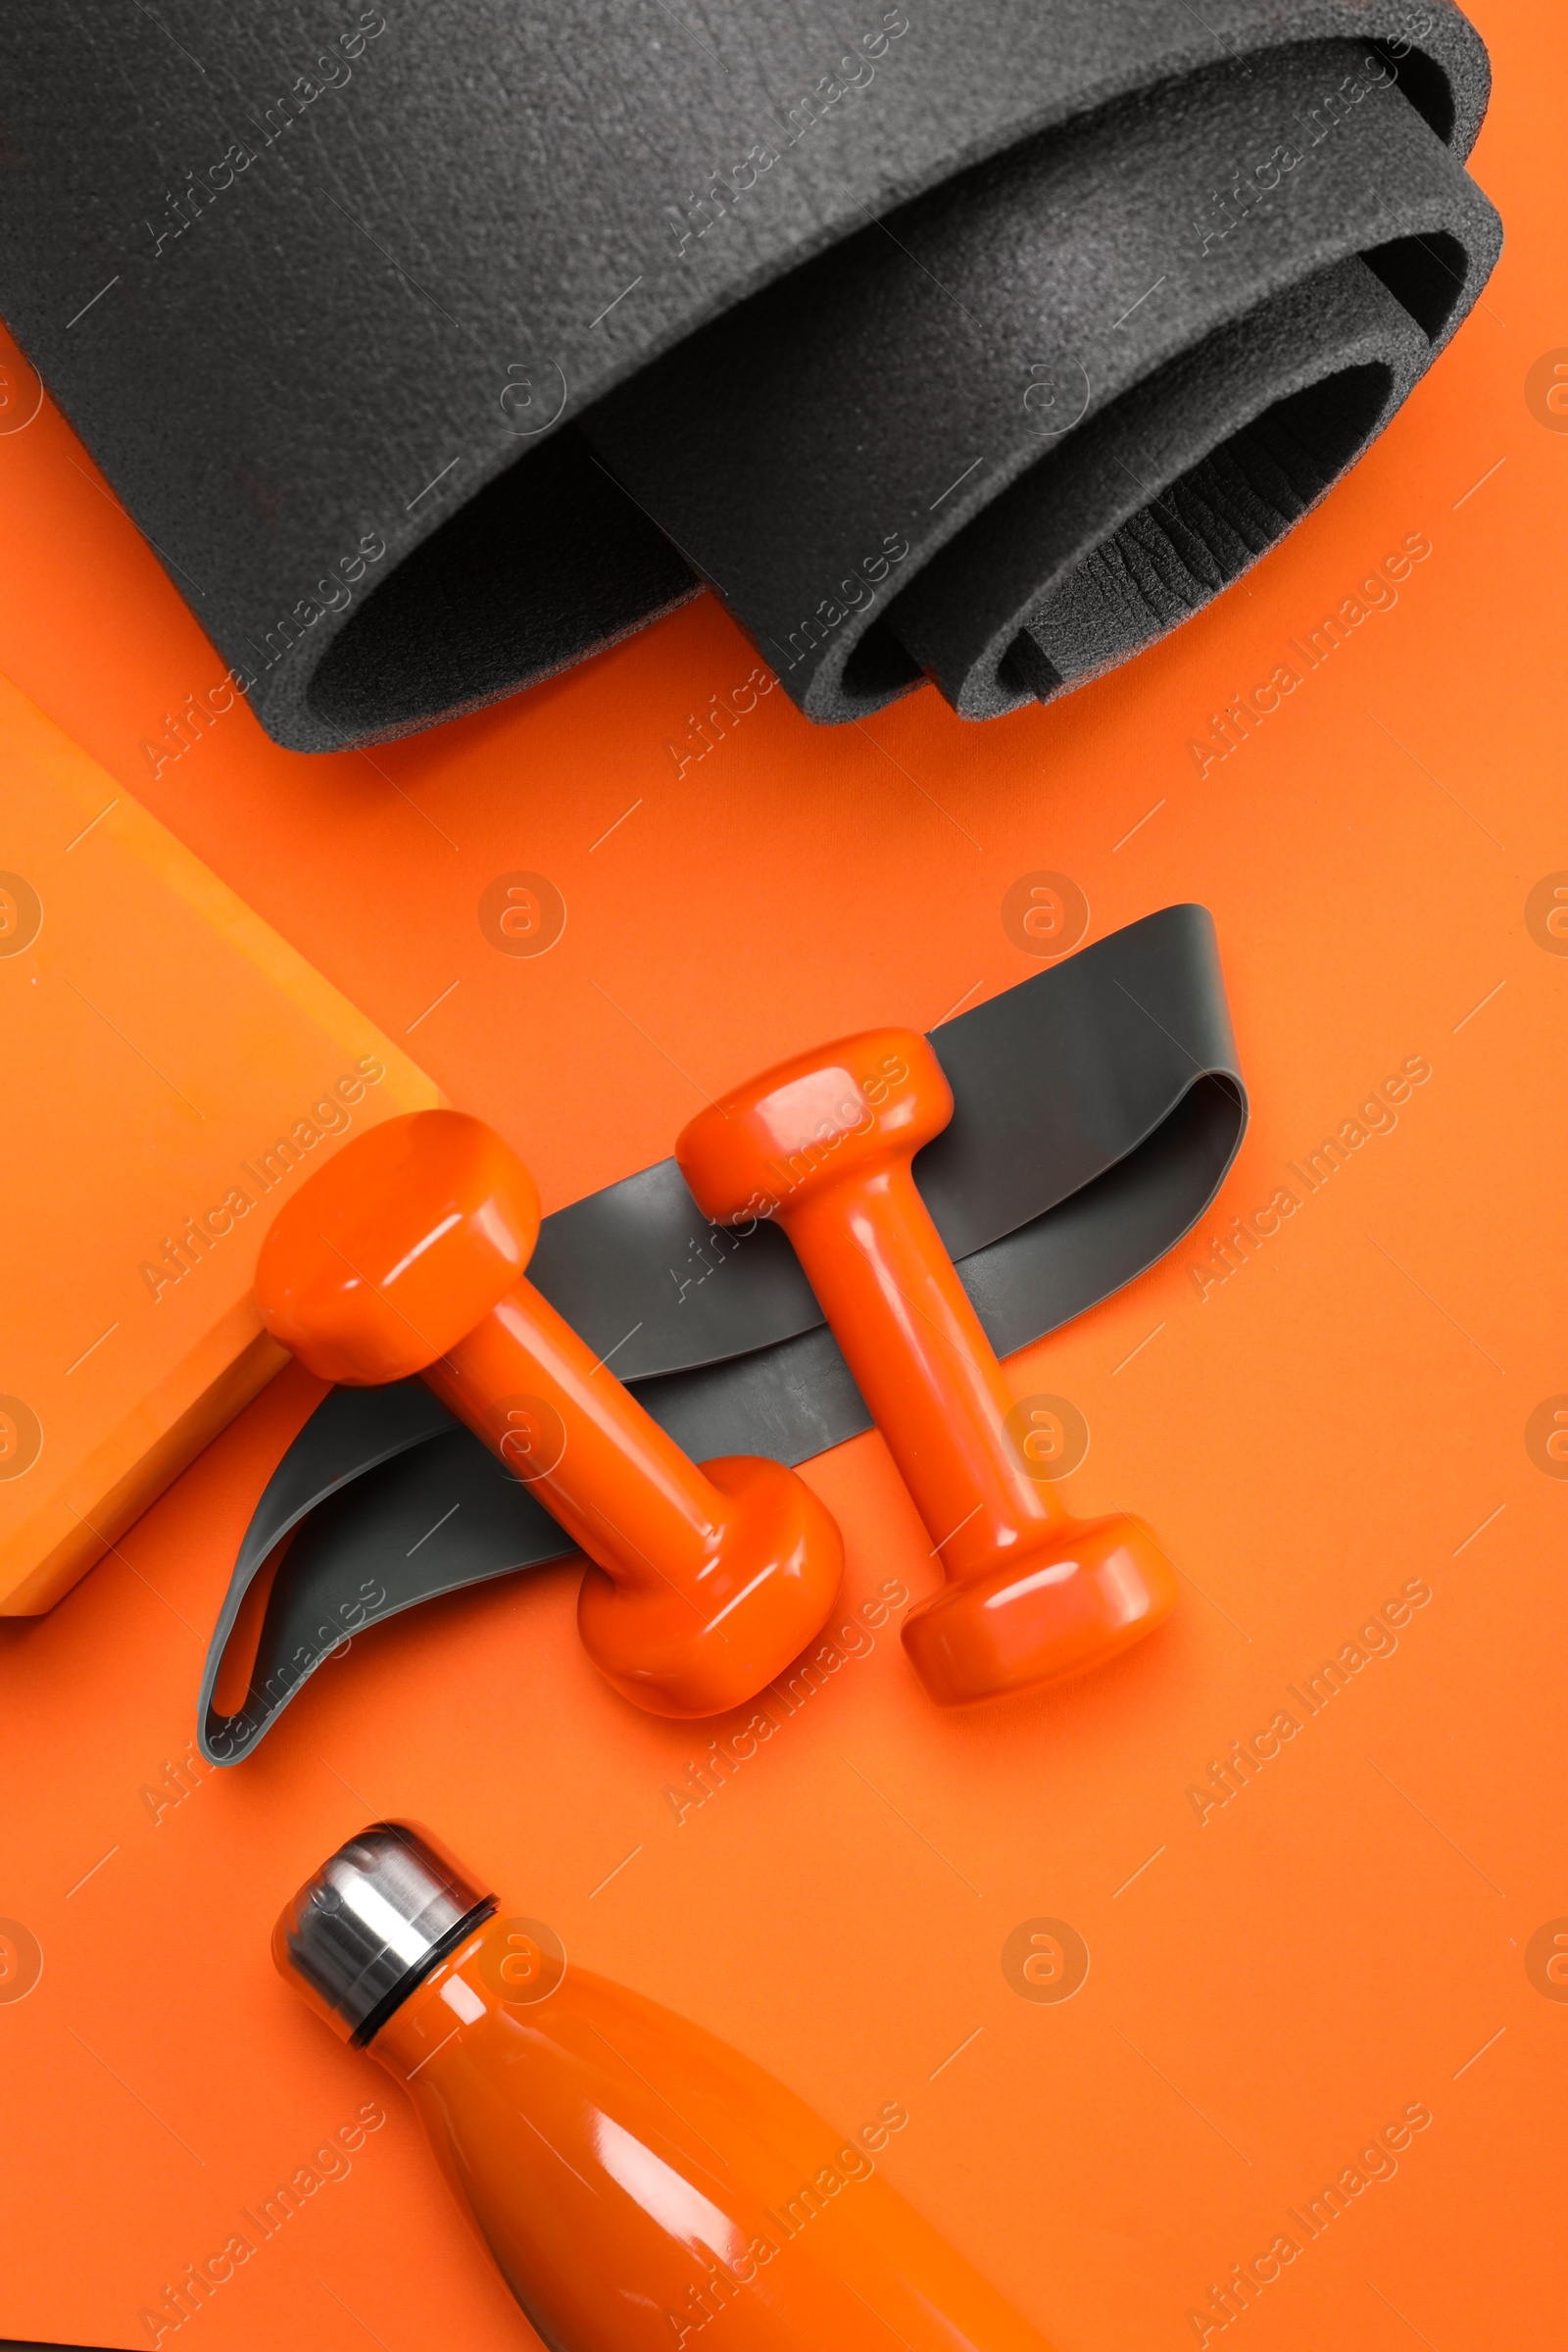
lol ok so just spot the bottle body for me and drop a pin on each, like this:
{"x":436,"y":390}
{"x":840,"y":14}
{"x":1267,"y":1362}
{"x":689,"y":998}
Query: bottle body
{"x":640,"y":2183}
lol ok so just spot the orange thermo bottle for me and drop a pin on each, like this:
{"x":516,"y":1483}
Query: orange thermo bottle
{"x":642,"y":2187}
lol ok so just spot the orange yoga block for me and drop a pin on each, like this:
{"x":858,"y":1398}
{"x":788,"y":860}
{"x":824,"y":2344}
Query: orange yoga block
{"x":173,"y":1070}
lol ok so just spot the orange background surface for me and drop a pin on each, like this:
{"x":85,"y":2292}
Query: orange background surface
{"x":1269,"y":1986}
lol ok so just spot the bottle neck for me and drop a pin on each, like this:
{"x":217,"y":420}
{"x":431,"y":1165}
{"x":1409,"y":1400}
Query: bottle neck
{"x":431,"y":2014}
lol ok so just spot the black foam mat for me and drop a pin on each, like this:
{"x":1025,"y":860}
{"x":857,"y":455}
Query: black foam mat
{"x":1097,"y":1108}
{"x":434,"y":351}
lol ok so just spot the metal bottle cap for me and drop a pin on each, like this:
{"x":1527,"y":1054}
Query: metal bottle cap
{"x":374,"y":1920}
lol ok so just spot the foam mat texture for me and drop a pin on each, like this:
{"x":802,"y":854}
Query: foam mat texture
{"x":435,"y":352}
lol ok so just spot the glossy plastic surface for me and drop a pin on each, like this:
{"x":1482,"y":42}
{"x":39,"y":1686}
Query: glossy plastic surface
{"x":397,"y":1247}
{"x":405,"y":1254}
{"x":825,"y":1143}
{"x":640,"y":2183}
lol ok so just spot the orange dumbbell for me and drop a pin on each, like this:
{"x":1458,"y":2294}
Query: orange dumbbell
{"x":825,"y":1143}
{"x":405,"y":1254}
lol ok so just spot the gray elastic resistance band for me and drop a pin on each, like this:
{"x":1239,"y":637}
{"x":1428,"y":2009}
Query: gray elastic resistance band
{"x":1099,"y":1105}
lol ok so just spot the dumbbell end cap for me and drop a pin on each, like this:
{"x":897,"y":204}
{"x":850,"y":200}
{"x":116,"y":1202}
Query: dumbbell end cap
{"x":394,"y":1249}
{"x":769,"y":1144}
{"x":770,"y":1580}
{"x":1069,"y":1605}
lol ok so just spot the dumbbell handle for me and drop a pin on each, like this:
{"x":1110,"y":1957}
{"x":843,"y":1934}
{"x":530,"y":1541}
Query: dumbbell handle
{"x":922,"y":1362}
{"x":623,"y":1491}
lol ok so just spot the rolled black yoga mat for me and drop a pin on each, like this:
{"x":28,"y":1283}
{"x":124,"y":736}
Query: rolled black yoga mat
{"x":437,"y":348}
{"x":1097,"y":1107}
